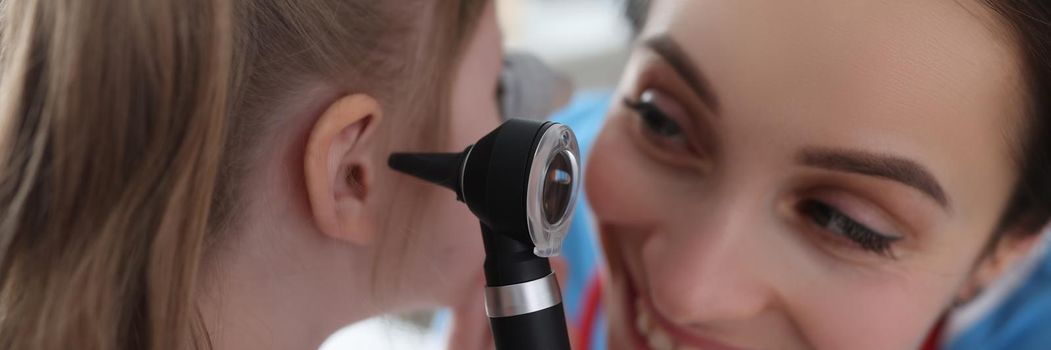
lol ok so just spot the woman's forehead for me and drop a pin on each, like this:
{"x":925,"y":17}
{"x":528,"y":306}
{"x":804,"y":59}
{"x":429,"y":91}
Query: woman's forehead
{"x":925,"y":50}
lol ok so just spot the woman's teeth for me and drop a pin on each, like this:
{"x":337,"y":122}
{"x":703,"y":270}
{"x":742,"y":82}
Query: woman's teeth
{"x":655,"y":337}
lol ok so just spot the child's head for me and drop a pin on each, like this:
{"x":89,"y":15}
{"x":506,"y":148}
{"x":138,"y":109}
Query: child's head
{"x":821,"y":174}
{"x":153,"y":150}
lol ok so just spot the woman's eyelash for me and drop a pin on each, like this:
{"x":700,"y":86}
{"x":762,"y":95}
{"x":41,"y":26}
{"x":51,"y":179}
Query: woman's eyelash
{"x":835,"y":221}
{"x":656,"y":120}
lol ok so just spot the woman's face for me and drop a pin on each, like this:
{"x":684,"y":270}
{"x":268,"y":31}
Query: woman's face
{"x":819,"y":174}
{"x":447,"y":255}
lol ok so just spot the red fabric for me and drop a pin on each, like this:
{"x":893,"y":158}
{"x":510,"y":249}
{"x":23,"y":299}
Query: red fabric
{"x":934,"y":338}
{"x":589,"y":315}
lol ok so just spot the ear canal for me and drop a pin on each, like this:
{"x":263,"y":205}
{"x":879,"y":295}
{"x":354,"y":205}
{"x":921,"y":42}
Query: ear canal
{"x":356,"y":181}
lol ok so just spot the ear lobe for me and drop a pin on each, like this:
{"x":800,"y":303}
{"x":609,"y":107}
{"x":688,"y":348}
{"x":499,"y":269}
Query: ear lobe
{"x":338,"y":168}
{"x":1013,"y":247}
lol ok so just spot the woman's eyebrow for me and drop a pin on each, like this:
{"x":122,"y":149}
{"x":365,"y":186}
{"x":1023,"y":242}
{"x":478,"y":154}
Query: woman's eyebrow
{"x":668,"y":49}
{"x":893,"y":168}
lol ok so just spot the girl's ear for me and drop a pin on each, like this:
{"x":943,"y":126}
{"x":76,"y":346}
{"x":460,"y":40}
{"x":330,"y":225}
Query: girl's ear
{"x":338,"y":168}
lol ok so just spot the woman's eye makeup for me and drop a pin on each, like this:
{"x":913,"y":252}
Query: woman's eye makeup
{"x":653,"y":117}
{"x":659,"y":119}
{"x":834,"y":221}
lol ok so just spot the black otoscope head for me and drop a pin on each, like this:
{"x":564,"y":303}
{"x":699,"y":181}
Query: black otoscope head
{"x":520,"y":180}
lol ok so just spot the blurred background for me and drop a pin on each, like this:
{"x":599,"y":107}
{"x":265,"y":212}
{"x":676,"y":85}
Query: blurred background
{"x":587,"y":41}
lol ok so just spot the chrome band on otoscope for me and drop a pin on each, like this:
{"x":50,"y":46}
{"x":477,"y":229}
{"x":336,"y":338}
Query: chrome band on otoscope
{"x":522,"y":298}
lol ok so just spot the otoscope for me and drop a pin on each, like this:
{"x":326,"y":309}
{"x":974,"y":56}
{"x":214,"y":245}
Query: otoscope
{"x":521,"y":181}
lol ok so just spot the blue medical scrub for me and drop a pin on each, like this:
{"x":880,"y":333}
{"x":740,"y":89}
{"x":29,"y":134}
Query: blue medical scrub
{"x":1022,"y":321}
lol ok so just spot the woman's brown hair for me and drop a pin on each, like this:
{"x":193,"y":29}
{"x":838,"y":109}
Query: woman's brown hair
{"x":125,"y":125}
{"x":1029,"y":25}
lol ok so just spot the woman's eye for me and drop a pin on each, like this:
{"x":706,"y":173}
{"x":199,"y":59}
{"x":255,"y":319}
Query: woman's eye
{"x":834,"y":221}
{"x":654,"y":118}
{"x":661,"y":129}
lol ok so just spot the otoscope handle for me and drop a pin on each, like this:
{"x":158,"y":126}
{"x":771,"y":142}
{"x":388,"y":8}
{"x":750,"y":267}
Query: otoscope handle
{"x":544,"y":329}
{"x":522,"y":297}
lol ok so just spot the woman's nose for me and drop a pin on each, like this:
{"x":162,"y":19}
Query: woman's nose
{"x":709,"y":267}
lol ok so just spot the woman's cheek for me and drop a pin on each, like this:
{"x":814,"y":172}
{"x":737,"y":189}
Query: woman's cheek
{"x":620,"y":186}
{"x":861,"y":310}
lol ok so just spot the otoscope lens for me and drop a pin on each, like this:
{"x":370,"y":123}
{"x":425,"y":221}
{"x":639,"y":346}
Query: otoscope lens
{"x":558,"y":187}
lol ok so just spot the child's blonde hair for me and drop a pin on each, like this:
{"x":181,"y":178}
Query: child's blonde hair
{"x":122,"y":124}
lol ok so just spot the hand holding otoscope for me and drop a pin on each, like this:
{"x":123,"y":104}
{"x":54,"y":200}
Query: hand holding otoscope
{"x":521,"y":181}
